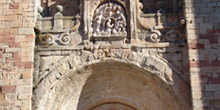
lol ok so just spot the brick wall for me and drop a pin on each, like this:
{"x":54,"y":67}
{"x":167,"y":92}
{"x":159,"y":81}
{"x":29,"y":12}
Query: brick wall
{"x":203,"y":31}
{"x":16,"y":53}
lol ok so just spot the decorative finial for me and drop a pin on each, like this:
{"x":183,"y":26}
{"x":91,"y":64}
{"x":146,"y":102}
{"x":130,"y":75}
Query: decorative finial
{"x":39,"y":9}
{"x":59,"y":8}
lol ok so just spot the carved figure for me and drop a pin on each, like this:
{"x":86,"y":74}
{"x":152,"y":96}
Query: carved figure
{"x":75,"y":27}
{"x":109,"y":26}
{"x":121,"y":24}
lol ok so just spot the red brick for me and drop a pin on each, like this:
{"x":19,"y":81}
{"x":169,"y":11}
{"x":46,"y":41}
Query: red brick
{"x":196,"y":46}
{"x":30,"y":38}
{"x":200,"y":64}
{"x":205,"y":36}
{"x":29,"y":65}
{"x":9,"y":39}
{"x":213,"y":40}
{"x":214,"y":80}
{"x":194,"y":64}
{"x":13,"y":44}
{"x":216,"y":63}
{"x":211,"y":31}
{"x":17,"y":60}
{"x":16,"y":56}
{"x":203,"y":76}
{"x":13,"y":6}
{"x":4,"y":32}
{"x":205,"y":64}
{"x":19,"y":64}
{"x":8,"y":89}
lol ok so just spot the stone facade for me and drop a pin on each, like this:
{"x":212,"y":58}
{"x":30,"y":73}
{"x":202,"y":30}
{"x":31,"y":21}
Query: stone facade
{"x":109,"y":54}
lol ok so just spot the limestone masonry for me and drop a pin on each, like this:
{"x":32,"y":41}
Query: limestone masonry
{"x":109,"y":55}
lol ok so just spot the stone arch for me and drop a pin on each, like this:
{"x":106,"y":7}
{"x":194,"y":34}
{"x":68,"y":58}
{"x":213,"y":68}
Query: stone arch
{"x":67,"y":78}
{"x":114,"y":106}
{"x":60,"y":88}
{"x":125,"y":83}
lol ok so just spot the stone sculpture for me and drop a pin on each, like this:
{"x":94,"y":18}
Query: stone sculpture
{"x":109,"y":19}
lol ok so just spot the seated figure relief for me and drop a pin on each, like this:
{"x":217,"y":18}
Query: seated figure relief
{"x":109,"y":19}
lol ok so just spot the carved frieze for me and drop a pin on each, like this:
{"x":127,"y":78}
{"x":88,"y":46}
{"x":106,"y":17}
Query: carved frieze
{"x":109,"y":20}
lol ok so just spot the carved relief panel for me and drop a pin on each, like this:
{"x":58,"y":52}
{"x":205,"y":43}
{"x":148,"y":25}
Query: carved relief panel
{"x":109,"y":20}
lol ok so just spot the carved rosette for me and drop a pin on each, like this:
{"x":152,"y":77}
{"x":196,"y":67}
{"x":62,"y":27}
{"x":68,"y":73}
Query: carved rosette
{"x":109,"y":20}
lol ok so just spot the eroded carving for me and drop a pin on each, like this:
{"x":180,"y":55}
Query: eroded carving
{"x":64,"y":38}
{"x":173,"y":35}
{"x":109,"y":19}
{"x":46,"y":39}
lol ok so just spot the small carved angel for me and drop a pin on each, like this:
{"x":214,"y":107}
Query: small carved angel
{"x":109,"y":26}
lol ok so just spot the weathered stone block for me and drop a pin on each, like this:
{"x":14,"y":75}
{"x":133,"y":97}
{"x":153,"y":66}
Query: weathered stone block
{"x":25,"y":31}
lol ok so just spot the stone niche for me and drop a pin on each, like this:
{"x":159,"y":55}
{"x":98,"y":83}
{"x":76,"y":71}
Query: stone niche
{"x":108,"y":22}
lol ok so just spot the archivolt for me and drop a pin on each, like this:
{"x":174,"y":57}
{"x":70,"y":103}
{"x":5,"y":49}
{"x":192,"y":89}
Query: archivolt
{"x":63,"y":85}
